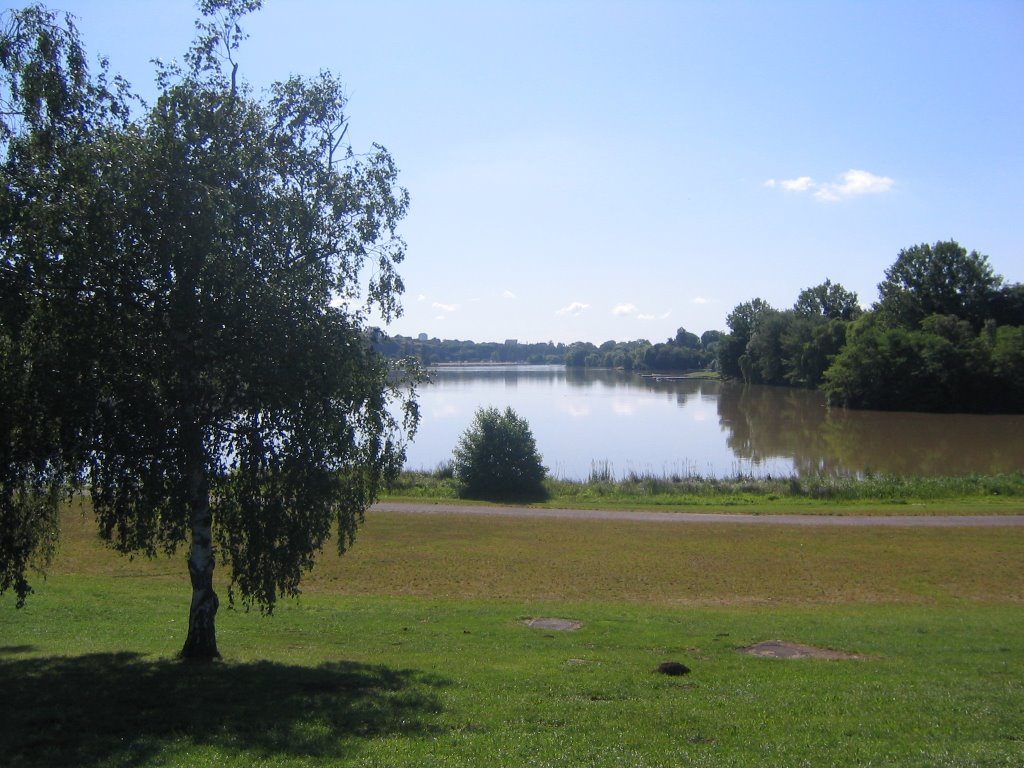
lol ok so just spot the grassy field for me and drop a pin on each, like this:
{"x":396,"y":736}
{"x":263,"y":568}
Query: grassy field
{"x":413,"y":649}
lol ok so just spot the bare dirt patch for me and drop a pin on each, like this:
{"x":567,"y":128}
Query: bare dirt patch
{"x":672,"y":669}
{"x":779,"y":649}
{"x":559,"y":625}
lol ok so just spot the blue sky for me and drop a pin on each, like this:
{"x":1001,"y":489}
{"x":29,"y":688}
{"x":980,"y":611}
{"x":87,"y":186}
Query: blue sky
{"x":617,"y":170}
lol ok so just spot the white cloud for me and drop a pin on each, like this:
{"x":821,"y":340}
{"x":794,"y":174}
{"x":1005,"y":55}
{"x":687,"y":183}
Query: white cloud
{"x":445,"y":307}
{"x":852,"y":183}
{"x":508,"y":295}
{"x":701,"y":300}
{"x":575,"y":308}
{"x":629,"y":309}
{"x":801,"y":184}
{"x":421,"y":297}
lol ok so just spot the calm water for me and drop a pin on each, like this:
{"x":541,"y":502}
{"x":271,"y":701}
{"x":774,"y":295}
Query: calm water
{"x":628,"y":423}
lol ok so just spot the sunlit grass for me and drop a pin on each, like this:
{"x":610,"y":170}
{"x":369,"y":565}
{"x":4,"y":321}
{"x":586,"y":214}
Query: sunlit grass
{"x":477,"y":557}
{"x":412,"y":650}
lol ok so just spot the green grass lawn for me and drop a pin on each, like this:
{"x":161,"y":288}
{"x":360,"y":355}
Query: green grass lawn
{"x":413,"y":650}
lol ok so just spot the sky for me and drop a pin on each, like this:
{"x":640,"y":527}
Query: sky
{"x":589,"y":170}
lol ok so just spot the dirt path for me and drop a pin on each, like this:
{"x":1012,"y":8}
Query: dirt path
{"x":911,"y":521}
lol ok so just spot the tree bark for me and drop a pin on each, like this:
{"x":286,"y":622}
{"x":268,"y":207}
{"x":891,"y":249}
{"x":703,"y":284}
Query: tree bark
{"x":201,"y":642}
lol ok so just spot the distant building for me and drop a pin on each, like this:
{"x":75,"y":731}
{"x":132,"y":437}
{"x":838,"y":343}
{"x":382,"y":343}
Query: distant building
{"x":423,"y":337}
{"x":511,"y":342}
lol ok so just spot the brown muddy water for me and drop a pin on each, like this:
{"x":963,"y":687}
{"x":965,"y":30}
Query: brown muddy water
{"x":609,"y":421}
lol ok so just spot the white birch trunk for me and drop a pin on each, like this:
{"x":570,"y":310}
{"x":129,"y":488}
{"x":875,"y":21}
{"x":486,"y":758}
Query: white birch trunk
{"x":201,"y":642}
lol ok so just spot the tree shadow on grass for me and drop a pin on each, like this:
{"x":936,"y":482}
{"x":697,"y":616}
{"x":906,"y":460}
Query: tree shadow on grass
{"x":122,"y":710}
{"x":11,"y":650}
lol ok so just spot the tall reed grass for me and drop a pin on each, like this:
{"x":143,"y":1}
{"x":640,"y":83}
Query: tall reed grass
{"x":688,"y":487}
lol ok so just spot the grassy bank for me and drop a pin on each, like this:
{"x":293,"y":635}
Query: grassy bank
{"x":881,"y":494}
{"x":412,"y":650}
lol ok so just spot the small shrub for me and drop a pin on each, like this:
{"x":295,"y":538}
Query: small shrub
{"x":497,"y":458}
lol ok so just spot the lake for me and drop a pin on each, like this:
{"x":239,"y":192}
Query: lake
{"x":599,"y":419}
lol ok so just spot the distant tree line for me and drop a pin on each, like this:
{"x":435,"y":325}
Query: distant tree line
{"x":946,"y":334}
{"x":684,"y":352}
{"x":433,"y":351}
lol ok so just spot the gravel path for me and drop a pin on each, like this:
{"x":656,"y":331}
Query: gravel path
{"x":906,"y":521}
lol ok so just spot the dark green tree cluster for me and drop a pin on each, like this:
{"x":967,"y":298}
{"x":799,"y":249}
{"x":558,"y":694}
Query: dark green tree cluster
{"x":684,"y":352}
{"x":497,"y":458}
{"x":180,"y":324}
{"x":945,"y":335}
{"x":625,"y":355}
{"x":790,"y":347}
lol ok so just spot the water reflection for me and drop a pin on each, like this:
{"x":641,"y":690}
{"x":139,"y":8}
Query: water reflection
{"x":665,"y":425}
{"x":763,"y":422}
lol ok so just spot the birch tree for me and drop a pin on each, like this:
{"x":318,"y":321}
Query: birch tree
{"x":234,"y":400}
